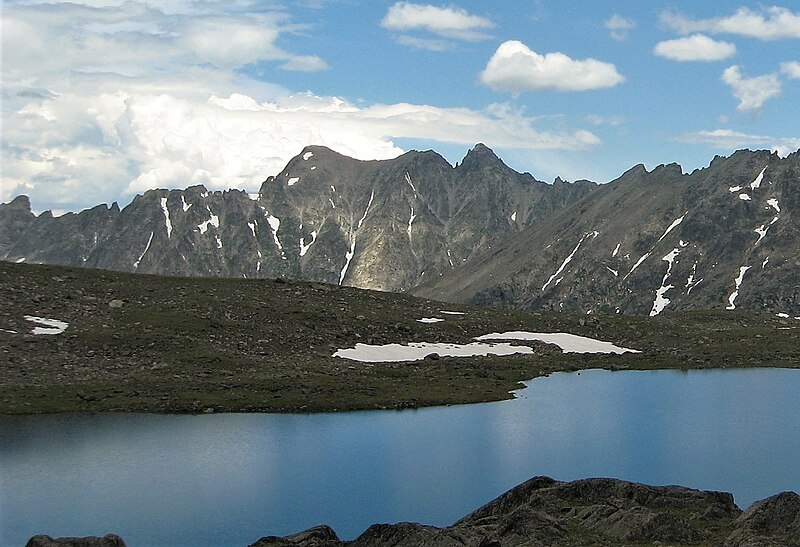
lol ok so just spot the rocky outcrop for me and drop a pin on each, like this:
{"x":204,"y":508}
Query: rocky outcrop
{"x":772,"y":522}
{"x":544,"y":512}
{"x":109,"y":540}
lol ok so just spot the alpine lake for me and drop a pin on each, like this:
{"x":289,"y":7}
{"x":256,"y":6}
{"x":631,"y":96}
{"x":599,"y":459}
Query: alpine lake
{"x":229,"y":479}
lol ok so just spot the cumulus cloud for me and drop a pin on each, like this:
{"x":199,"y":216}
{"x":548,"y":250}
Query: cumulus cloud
{"x":515,"y":68}
{"x":751,"y":92}
{"x":770,"y":23}
{"x":618,"y":26}
{"x":791,"y":69}
{"x":727,"y":139}
{"x":450,"y":22}
{"x":697,"y":47}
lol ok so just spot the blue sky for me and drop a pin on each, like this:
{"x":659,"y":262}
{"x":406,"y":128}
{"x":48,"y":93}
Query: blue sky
{"x":105,"y":99}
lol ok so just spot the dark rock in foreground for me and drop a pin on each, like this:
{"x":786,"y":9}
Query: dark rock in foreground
{"x":545,"y":512}
{"x":109,"y":540}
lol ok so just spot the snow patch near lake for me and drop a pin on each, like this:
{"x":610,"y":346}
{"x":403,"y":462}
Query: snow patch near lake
{"x":417,"y":351}
{"x":292,"y":181}
{"x":48,"y":326}
{"x":569,"y":343}
{"x":308,"y":155}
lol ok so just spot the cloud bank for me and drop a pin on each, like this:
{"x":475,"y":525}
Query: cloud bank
{"x":103,"y":101}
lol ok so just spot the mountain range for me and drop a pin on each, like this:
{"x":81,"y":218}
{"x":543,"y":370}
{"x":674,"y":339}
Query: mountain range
{"x":721,"y":237}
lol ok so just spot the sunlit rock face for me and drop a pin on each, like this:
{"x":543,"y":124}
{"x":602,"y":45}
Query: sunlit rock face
{"x":326,"y":217}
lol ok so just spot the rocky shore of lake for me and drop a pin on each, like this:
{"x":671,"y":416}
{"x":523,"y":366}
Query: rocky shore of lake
{"x":591,"y":512}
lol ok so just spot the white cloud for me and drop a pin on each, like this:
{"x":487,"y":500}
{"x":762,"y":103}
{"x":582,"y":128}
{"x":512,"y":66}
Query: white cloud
{"x":618,"y":26}
{"x":697,"y":47}
{"x":791,"y":69}
{"x":727,"y":139}
{"x":751,"y":92}
{"x":515,"y":68}
{"x":450,"y":22}
{"x":771,"y":23}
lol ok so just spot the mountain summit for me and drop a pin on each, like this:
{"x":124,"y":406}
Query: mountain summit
{"x":385,"y":225}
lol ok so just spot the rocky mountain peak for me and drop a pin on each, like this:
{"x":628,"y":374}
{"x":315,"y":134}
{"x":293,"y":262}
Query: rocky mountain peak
{"x":21,"y":202}
{"x":480,"y":157}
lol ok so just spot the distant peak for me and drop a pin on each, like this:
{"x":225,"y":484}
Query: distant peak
{"x":481,"y":149}
{"x":21,"y":202}
{"x":478,"y":156}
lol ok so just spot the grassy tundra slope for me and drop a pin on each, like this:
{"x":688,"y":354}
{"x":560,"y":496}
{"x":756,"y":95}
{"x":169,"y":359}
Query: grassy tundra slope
{"x":167,"y":344}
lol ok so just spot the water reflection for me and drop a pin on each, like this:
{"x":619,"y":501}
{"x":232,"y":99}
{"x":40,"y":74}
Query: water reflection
{"x":229,"y":479}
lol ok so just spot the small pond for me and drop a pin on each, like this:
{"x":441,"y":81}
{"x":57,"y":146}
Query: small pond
{"x":230,"y":479}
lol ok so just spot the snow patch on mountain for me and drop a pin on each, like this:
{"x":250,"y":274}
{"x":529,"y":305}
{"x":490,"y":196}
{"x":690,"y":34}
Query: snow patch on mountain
{"x":275,"y":224}
{"x":141,"y":256}
{"x":411,"y":184}
{"x":305,"y":247}
{"x":167,"y":221}
{"x":735,"y":294}
{"x":662,"y":301}
{"x":212,"y":221}
{"x":644,"y":257}
{"x":348,"y":256}
{"x":292,"y":181}
{"x":772,"y":202}
{"x":757,"y":182}
{"x":568,"y":259}
{"x":308,"y":155}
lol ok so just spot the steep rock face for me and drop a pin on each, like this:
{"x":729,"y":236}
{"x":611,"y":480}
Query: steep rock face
{"x":390,"y":224}
{"x":726,"y":236}
{"x":371,"y":224}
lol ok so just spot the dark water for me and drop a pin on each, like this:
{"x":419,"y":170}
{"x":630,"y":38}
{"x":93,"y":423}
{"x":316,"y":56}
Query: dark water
{"x":230,"y":479}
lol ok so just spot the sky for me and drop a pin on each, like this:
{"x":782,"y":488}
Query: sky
{"x":102,"y":100}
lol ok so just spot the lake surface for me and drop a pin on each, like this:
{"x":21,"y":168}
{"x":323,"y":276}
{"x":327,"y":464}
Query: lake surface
{"x":230,"y":479}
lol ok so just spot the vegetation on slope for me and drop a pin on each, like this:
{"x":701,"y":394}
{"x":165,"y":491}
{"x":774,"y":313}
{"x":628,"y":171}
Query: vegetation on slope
{"x":167,"y":344}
